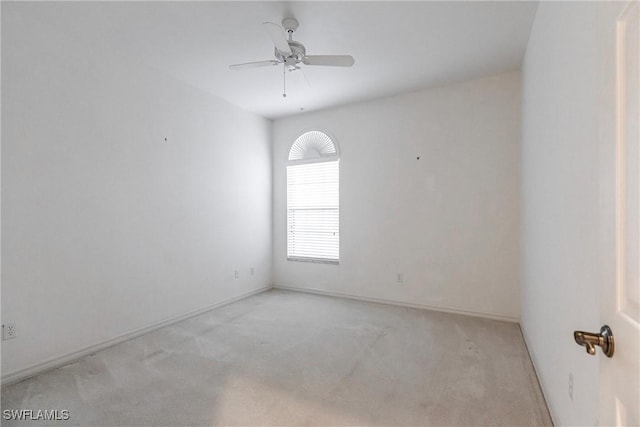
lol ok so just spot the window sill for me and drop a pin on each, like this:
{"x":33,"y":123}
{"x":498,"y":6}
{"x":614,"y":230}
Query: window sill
{"x":314,"y":260}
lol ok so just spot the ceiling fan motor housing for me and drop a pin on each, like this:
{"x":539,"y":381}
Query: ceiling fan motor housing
{"x":298,"y":52}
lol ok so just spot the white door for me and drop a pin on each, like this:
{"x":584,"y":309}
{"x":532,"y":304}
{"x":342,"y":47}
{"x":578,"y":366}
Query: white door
{"x":620,"y":196}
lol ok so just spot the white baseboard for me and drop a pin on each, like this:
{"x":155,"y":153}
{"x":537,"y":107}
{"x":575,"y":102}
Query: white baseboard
{"x":55,"y":362}
{"x":537,"y":372}
{"x":401,"y":303}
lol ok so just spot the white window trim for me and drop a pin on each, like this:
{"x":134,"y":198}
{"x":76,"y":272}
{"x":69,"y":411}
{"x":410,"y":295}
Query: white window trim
{"x":332,"y":158}
{"x":313,"y":260}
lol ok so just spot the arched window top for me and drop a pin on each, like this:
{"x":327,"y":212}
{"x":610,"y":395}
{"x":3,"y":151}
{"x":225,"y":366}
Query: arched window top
{"x":313,"y":145}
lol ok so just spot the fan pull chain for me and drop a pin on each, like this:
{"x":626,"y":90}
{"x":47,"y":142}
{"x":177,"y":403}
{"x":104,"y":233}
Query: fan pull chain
{"x":284,"y":81}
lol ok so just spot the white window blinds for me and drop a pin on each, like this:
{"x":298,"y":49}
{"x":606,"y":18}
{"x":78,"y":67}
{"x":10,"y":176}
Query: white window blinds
{"x":313,"y":211}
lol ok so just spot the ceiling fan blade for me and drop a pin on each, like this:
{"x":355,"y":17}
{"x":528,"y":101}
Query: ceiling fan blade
{"x":305,"y":77}
{"x":329,"y":60}
{"x":276,"y":32}
{"x":247,"y":65}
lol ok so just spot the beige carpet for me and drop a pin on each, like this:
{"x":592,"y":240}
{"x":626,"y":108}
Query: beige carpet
{"x":286,"y":358}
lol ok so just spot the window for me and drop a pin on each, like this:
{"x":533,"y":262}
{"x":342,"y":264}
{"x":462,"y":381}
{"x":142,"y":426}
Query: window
{"x":313,"y":223}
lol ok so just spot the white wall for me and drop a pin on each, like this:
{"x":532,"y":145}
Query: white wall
{"x":449,"y":222}
{"x":561,"y":156}
{"x":107,"y":228}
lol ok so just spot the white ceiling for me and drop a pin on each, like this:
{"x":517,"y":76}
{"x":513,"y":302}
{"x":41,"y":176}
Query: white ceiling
{"x":398,"y":46}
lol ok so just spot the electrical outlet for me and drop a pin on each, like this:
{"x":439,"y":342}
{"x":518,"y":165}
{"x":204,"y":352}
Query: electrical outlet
{"x":571,"y":386}
{"x":400,"y":278}
{"x":9,"y":331}
{"x":252,"y":271}
{"x":236,"y":274}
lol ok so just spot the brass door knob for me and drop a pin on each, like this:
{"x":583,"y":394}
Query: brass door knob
{"x":590,"y":340}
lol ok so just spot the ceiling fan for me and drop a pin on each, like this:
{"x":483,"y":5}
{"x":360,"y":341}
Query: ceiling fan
{"x":292,"y":53}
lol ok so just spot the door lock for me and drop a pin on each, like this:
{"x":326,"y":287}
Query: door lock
{"x":590,"y":340}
